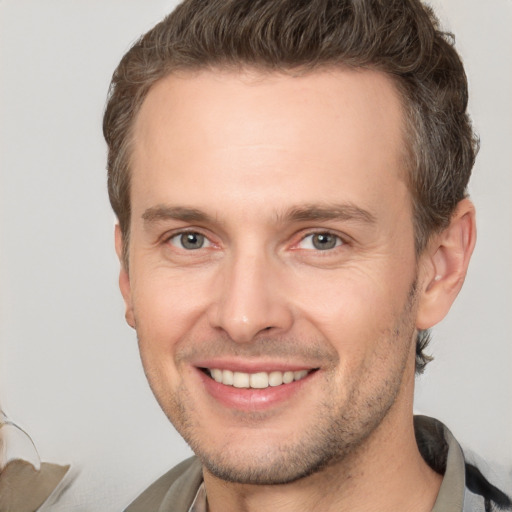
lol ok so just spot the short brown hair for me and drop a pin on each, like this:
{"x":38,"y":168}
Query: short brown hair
{"x":399,"y":37}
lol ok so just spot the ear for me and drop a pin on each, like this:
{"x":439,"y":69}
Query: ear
{"x":444,"y":264}
{"x":124,"y":278}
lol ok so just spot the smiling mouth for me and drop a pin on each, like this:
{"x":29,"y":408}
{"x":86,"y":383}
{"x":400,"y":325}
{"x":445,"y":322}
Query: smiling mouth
{"x":258,"y":380}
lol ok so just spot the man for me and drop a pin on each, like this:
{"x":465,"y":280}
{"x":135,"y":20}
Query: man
{"x":290,"y":183}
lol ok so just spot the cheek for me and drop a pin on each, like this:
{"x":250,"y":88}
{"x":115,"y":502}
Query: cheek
{"x":168,"y":303}
{"x":167,"y":311}
{"x":354,"y":309}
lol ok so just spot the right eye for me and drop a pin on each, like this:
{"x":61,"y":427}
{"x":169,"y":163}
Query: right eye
{"x":189,"y":240}
{"x":323,"y":241}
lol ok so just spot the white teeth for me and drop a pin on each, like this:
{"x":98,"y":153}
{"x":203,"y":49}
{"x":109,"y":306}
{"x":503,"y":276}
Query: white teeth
{"x":287,"y":377}
{"x":259,"y":380}
{"x":217,"y":375}
{"x":275,"y":378}
{"x":300,"y":374}
{"x":241,"y":380}
{"x":227,"y":377}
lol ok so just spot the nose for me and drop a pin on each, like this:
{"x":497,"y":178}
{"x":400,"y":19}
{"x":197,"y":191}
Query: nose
{"x":250,"y":299}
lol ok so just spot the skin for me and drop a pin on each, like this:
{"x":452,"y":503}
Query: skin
{"x":260,"y":164}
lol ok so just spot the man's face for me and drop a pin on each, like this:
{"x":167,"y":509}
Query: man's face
{"x":272,"y":241}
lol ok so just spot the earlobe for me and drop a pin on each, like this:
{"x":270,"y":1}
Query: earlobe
{"x":444,"y":266}
{"x":124,"y":279}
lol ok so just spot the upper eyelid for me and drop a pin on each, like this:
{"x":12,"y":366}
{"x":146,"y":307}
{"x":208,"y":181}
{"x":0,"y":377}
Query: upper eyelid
{"x":341,"y":243}
{"x":181,"y":231}
{"x":176,"y":240}
{"x":316,"y":231}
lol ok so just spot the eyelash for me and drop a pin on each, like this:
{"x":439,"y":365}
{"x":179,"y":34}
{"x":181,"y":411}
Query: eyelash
{"x":180,"y":234}
{"x":338,"y":241}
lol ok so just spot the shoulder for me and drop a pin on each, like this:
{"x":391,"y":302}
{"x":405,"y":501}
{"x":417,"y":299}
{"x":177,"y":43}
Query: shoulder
{"x":468,"y":481}
{"x":177,"y":487}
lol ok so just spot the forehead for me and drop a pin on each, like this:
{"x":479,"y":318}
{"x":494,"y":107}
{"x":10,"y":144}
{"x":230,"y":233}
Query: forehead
{"x":332,"y":134}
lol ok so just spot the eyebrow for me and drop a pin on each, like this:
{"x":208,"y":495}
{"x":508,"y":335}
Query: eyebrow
{"x":303,"y":213}
{"x":183,"y":213}
{"x":344,"y":212}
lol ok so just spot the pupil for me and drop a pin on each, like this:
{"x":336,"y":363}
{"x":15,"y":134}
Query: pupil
{"x":324,"y":241}
{"x":192,"y":240}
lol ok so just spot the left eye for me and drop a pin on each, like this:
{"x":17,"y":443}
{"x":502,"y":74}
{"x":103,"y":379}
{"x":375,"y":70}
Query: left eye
{"x":190,"y":241}
{"x":320,"y":241}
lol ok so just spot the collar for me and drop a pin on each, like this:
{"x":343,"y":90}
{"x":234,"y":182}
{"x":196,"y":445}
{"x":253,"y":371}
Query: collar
{"x":200,"y":503}
{"x":443,"y":454}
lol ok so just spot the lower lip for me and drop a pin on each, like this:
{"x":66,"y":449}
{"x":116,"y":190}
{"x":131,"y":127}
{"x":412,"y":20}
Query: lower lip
{"x":249,"y":399}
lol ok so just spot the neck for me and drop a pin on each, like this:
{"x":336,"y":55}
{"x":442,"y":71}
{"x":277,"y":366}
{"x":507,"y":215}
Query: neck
{"x":386,"y":473}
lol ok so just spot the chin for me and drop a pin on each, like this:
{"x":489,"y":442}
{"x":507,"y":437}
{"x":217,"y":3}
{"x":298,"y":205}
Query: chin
{"x":277,"y":461}
{"x":268,"y":470}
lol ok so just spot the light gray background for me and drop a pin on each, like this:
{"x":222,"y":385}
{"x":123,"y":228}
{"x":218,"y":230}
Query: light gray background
{"x":69,"y":367}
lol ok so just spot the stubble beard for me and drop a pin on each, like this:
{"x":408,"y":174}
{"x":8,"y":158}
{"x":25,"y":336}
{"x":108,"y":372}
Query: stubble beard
{"x":337,"y":432}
